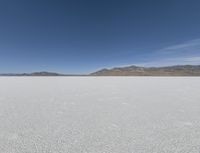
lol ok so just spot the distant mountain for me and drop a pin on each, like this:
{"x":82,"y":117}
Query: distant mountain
{"x":33,"y":74}
{"x":45,"y":74}
{"x":179,"y":70}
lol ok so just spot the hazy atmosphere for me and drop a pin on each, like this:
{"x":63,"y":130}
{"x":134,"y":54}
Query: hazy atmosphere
{"x":75,"y":36}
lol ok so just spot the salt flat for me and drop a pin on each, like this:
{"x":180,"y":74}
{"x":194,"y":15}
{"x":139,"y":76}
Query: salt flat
{"x":99,"y":115}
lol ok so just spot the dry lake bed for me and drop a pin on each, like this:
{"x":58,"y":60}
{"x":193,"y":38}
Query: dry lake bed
{"x":99,"y":114}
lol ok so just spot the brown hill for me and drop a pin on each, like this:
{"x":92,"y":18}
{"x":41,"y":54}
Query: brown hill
{"x":179,"y":70}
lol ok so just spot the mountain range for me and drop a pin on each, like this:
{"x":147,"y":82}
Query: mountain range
{"x":177,"y":70}
{"x":33,"y":74}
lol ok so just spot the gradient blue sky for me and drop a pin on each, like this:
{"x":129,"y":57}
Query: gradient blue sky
{"x":80,"y":36}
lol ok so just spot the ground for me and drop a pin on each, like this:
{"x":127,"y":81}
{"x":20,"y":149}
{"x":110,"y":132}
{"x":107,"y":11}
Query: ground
{"x":99,"y":115}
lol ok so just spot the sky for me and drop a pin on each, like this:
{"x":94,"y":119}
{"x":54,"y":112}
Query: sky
{"x":82,"y":36}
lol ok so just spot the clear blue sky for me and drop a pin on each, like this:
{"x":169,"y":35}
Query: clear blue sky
{"x":80,"y":36}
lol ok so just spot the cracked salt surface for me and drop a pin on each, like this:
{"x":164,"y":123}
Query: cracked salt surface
{"x":99,"y":114}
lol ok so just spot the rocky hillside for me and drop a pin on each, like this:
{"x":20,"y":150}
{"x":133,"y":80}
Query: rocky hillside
{"x":180,"y":70}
